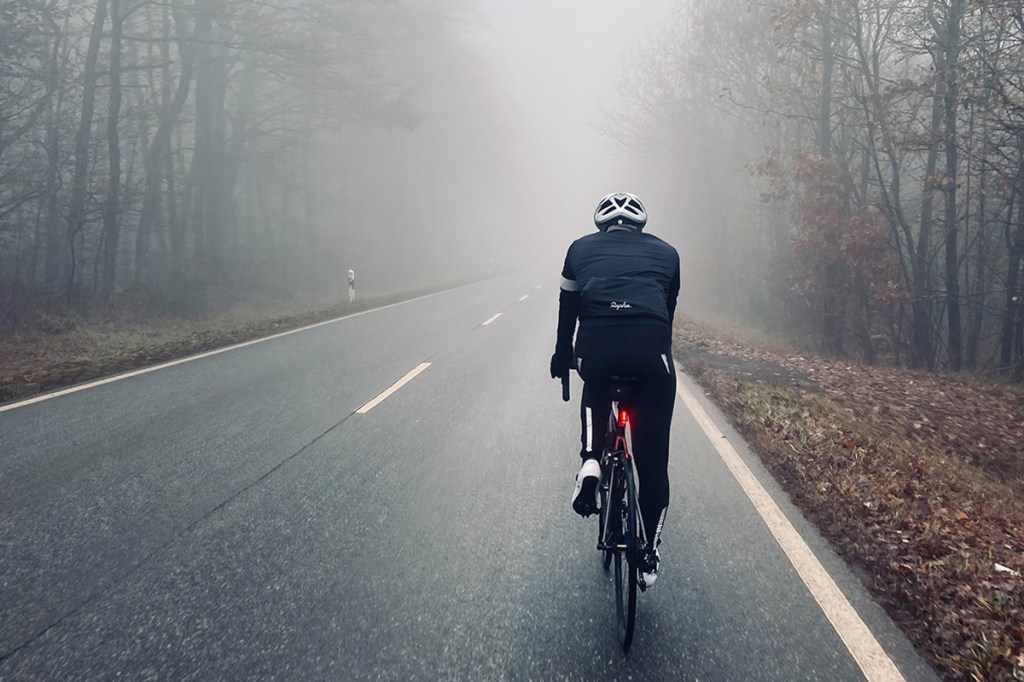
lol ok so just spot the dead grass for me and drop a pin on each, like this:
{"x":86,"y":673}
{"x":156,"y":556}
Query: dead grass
{"x":918,"y":480}
{"x":52,"y":355}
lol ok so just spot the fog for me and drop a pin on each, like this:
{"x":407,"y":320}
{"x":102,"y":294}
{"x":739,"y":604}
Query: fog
{"x":177,"y":155}
{"x":559,"y":67}
{"x":514,"y":133}
{"x":184,"y":155}
{"x":804,"y":163}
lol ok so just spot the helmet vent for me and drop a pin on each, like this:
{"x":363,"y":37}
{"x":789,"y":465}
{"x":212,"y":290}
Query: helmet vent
{"x":620,"y":209}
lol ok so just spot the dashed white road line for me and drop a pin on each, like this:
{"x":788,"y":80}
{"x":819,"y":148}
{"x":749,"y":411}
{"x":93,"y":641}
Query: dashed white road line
{"x":524,"y":298}
{"x":394,"y":387}
{"x":200,"y":356}
{"x":540,"y":286}
{"x":858,"y":638}
{"x":491,"y":319}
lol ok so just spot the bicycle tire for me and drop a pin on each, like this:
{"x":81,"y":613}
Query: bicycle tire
{"x":602,"y":525}
{"x":624,"y":503}
{"x":615,"y":538}
{"x":608,"y":471}
{"x":631,"y":531}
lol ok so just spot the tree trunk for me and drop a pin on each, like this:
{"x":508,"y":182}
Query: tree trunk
{"x":922,"y":334}
{"x":160,"y":146}
{"x":982,"y":268}
{"x":54,"y":260}
{"x":79,"y":184}
{"x":914,"y":264}
{"x":1018,"y":345}
{"x":175,"y":226}
{"x":208,"y":157}
{"x":954,"y":18}
{"x":1013,"y":315}
{"x":112,"y":208}
{"x":832,"y":308}
{"x":313,"y":248}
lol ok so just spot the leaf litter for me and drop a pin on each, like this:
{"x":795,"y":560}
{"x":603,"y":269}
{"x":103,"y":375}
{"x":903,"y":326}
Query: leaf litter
{"x":916,"y":479}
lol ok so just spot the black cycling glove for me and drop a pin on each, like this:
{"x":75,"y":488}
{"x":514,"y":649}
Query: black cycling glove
{"x":560,"y":366}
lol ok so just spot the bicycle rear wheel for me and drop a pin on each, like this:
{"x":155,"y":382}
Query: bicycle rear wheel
{"x":608,"y":472}
{"x":626,"y":557}
{"x":602,"y":526}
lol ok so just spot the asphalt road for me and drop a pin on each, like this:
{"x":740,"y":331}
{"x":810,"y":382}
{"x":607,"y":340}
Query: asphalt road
{"x":234,"y":518}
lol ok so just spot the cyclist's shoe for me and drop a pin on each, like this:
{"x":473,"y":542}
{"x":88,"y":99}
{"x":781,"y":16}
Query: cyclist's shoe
{"x":649,"y":561}
{"x":584,"y":497}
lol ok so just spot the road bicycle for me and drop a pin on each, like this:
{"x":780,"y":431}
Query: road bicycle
{"x":620,"y":535}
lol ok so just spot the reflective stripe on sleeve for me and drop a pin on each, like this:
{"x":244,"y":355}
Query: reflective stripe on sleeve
{"x":569,"y":285}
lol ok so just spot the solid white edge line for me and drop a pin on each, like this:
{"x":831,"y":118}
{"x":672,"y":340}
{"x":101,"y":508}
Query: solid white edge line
{"x":524,"y":298}
{"x":858,"y":638}
{"x":207,"y":354}
{"x":394,"y":387}
{"x":491,"y":319}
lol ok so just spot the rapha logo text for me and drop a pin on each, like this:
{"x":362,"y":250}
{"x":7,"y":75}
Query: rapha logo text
{"x":621,"y":306}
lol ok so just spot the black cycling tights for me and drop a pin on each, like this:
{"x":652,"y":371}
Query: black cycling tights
{"x":650,"y":420}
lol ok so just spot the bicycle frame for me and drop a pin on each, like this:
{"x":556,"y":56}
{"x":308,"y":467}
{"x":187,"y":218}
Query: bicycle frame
{"x":615,"y":457}
{"x":620,"y":531}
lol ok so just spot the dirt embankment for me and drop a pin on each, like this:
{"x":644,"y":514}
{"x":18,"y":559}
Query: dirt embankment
{"x":63,"y":352}
{"x":916,"y":479}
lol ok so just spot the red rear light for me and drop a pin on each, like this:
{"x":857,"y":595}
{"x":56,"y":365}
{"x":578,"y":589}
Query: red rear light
{"x":623,"y":418}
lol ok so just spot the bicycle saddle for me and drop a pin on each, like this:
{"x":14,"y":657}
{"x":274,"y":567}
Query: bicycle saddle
{"x":621,"y":388}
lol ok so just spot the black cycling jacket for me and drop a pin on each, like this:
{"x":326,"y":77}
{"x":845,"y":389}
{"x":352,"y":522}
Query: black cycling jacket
{"x":621,"y":277}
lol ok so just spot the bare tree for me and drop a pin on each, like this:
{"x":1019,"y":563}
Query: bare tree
{"x":853,"y":118}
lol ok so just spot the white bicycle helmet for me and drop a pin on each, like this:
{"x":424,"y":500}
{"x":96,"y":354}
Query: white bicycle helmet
{"x":621,"y":208}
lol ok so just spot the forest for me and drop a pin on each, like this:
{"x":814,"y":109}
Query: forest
{"x":847,"y":173}
{"x":166,"y":154}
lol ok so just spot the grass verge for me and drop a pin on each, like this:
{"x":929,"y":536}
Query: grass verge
{"x":916,"y":480}
{"x":36,"y":362}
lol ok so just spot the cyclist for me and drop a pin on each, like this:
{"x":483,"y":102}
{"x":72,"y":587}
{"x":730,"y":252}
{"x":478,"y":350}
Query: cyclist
{"x":621,"y":284}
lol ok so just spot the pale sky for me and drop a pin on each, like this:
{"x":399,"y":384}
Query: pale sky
{"x":560,"y":64}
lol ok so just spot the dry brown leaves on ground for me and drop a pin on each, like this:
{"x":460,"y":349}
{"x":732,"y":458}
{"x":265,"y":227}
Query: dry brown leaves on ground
{"x":916,"y":479}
